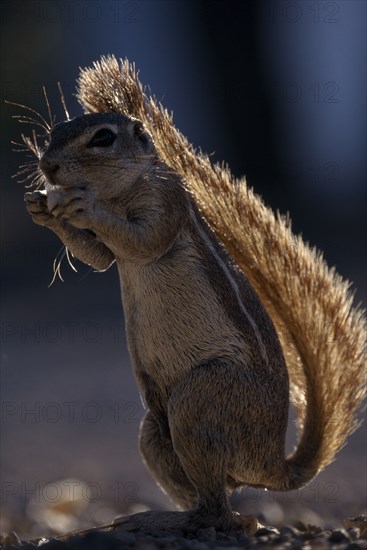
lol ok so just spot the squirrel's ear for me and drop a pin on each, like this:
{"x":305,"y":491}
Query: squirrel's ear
{"x":140,"y":132}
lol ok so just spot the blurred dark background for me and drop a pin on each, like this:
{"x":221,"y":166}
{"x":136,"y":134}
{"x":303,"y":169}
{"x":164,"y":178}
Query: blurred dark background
{"x":276,"y":89}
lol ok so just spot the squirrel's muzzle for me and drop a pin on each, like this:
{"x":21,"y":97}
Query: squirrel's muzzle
{"x":49,"y":167}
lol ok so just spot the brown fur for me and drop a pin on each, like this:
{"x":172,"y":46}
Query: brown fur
{"x":205,"y":352}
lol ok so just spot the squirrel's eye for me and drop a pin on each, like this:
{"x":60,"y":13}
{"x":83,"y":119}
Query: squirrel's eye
{"x":103,"y":138}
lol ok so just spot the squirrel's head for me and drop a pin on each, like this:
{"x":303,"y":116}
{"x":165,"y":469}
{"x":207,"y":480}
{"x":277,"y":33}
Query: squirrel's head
{"x":106,"y":152}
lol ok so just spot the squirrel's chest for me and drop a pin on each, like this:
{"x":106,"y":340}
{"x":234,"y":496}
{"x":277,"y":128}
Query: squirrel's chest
{"x":174,"y":321}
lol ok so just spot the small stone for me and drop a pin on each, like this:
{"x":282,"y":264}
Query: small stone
{"x":54,"y":544}
{"x":288,"y":530}
{"x":353,"y":533}
{"x":265,"y":531}
{"x":339,"y":536}
{"x":300,"y":526}
{"x":359,"y":522}
{"x":314,"y":529}
{"x":284,"y":537}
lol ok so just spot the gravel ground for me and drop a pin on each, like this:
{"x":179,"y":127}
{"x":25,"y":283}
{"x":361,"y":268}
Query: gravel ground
{"x":352,"y":536}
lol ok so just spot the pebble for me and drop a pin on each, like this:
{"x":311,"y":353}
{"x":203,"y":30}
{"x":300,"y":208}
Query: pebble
{"x":288,"y":530}
{"x":359,"y":522}
{"x":266,"y":531}
{"x":353,"y":533}
{"x":339,"y":536}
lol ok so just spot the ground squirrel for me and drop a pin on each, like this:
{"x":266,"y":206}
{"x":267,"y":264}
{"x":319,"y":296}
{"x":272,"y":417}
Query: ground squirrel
{"x":222,"y":303}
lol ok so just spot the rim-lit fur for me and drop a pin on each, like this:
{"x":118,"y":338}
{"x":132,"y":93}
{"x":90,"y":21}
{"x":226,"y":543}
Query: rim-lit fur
{"x":196,"y":251}
{"x":323,"y":336}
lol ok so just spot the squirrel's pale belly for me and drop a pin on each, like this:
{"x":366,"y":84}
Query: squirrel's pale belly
{"x":174,"y":321}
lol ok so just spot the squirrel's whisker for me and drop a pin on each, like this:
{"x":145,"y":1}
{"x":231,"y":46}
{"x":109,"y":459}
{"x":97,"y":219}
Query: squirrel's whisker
{"x":46,"y":126}
{"x":52,"y":120}
{"x":63,"y":101}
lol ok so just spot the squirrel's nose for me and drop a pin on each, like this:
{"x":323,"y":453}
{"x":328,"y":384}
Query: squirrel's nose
{"x":48,"y":166}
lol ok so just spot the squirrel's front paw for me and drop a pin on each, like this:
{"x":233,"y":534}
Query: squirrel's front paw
{"x":72,"y":205}
{"x":36,"y":204}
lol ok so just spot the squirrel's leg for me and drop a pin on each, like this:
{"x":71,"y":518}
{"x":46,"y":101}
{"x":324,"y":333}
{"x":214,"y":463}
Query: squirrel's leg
{"x":207,"y":441}
{"x":81,"y":244}
{"x":201,"y":436}
{"x":163,"y":463}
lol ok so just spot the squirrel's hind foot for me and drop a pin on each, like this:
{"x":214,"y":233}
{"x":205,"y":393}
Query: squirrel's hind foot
{"x":188,"y":522}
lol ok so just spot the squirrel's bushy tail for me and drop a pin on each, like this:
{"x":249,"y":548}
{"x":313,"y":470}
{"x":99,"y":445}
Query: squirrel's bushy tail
{"x":323,"y":336}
